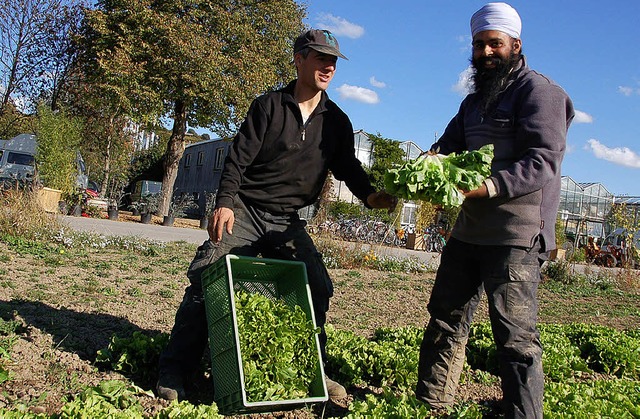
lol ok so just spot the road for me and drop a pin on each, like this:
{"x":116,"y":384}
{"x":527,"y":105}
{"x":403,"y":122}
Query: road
{"x":197,"y":236}
{"x":146,"y":231}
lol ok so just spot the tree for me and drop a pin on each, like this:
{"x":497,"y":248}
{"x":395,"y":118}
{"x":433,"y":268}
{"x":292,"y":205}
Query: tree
{"x":59,"y":68}
{"x":386,"y":153}
{"x":34,"y":49}
{"x":14,"y":122}
{"x":198,"y":63}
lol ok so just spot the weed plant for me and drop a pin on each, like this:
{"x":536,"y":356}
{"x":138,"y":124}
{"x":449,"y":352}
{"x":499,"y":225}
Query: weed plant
{"x":21,"y":215}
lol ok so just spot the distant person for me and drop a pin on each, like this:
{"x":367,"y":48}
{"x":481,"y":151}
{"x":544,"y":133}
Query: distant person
{"x":506,"y":227}
{"x":278,"y":163}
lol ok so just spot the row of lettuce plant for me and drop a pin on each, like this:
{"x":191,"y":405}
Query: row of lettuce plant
{"x":590,"y":371}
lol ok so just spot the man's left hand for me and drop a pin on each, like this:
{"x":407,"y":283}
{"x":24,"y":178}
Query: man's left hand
{"x":481,"y":192}
{"x":382,"y":200}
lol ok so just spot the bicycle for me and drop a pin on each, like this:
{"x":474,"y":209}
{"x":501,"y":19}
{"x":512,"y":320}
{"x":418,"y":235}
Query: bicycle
{"x":433,"y":239}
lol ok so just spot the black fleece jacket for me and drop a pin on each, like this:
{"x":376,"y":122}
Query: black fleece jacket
{"x":279,"y":164}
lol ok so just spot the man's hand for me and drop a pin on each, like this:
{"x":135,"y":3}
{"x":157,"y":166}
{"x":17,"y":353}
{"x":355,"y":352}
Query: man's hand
{"x":382,"y":200}
{"x":221,"y":218}
{"x":481,"y":192}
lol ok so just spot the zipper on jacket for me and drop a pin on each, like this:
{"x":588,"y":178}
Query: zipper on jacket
{"x":304,"y":126}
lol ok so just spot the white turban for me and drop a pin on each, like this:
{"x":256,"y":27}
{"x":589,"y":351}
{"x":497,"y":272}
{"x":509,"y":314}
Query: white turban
{"x":496,"y":17}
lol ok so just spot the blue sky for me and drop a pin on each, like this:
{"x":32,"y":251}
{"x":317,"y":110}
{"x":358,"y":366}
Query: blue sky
{"x":406,"y":60}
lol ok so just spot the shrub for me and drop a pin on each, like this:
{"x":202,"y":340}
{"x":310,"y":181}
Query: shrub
{"x":558,"y":271}
{"x":58,"y":140}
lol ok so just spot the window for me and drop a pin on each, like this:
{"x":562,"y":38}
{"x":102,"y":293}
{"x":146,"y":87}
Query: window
{"x":200,"y":158}
{"x":219,"y":158}
{"x":20,"y":158}
{"x":187,"y":160}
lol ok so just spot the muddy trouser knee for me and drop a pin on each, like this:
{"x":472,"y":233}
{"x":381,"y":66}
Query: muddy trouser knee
{"x":189,"y":335}
{"x":453,"y":302}
{"x":513,"y":311}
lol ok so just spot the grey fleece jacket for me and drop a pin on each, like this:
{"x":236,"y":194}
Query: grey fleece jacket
{"x":528,"y":129}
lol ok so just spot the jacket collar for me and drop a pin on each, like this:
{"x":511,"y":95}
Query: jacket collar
{"x":288,"y":97}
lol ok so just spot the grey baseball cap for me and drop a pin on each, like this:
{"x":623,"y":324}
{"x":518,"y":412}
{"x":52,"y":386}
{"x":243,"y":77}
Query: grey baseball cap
{"x":320,"y":40}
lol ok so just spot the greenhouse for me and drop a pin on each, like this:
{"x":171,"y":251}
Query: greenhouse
{"x":584,"y":208}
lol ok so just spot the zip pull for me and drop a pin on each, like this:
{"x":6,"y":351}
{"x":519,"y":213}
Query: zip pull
{"x":303,"y":133}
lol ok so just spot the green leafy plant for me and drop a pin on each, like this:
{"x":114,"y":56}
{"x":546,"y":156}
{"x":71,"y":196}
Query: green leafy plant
{"x":147,"y":204}
{"x":137,"y":355}
{"x":180,"y":204}
{"x":438,"y":179}
{"x":59,"y":136}
{"x":277,"y":343}
{"x":8,"y":337}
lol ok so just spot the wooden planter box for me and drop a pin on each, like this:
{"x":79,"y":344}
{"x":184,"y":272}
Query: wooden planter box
{"x":49,"y":198}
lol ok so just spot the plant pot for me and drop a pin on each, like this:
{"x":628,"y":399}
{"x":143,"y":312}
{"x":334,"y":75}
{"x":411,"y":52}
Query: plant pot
{"x":204,"y":223}
{"x":146,"y":218}
{"x":76,"y":211}
{"x":62,"y":207}
{"x":168,"y":220}
{"x":112,"y":213}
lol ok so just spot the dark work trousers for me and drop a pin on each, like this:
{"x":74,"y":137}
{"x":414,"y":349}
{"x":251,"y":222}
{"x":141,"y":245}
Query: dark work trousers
{"x":255,"y":232}
{"x":510,"y":277}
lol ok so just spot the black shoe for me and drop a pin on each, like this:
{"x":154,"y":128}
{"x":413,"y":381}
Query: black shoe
{"x":171,"y":387}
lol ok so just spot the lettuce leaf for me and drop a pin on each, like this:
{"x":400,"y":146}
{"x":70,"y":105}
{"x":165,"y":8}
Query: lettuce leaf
{"x":440,"y":179}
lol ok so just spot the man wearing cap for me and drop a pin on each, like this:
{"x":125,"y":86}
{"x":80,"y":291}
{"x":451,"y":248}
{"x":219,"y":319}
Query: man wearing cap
{"x":505,"y":227}
{"x":278,"y":163}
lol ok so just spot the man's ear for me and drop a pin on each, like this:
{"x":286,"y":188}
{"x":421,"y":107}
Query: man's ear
{"x":517,"y":45}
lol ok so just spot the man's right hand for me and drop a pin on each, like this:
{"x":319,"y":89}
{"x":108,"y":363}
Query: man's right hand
{"x":222,"y":217}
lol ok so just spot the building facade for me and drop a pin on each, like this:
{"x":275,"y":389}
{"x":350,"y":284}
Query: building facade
{"x":199,"y":173}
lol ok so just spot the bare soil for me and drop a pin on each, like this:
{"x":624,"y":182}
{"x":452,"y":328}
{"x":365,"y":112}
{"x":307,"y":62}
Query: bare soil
{"x":71,"y":304}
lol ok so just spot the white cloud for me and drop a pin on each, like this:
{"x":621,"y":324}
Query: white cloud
{"x":359,"y":94}
{"x":625,"y":90}
{"x":339,"y":26}
{"x":582,"y":118}
{"x":622,"y":156}
{"x":464,"y":86}
{"x":377,"y":83}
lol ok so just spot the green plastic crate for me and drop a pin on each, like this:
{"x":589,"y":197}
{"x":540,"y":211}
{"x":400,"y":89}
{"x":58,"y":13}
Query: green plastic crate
{"x":276,"y":279}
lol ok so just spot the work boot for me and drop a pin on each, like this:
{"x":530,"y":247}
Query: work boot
{"x":334,"y":390}
{"x":171,"y":387}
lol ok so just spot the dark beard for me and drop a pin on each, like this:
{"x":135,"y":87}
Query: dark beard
{"x":489,"y":83}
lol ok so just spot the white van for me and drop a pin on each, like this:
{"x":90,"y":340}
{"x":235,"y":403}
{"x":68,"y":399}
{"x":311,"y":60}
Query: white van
{"x":17,"y":158}
{"x":17,"y":161}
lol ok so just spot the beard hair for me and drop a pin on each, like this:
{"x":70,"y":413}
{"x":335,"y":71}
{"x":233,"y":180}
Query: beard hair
{"x":489,"y":83}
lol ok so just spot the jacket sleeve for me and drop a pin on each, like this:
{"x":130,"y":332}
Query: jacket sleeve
{"x":543,"y":121}
{"x":346,"y":167}
{"x":246,"y":146}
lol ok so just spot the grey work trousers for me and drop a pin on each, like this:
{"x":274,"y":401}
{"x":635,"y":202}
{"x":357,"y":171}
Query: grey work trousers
{"x":255,"y":232}
{"x":510,"y":277}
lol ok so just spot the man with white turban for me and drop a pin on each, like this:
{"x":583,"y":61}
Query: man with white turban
{"x":506,"y":227}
